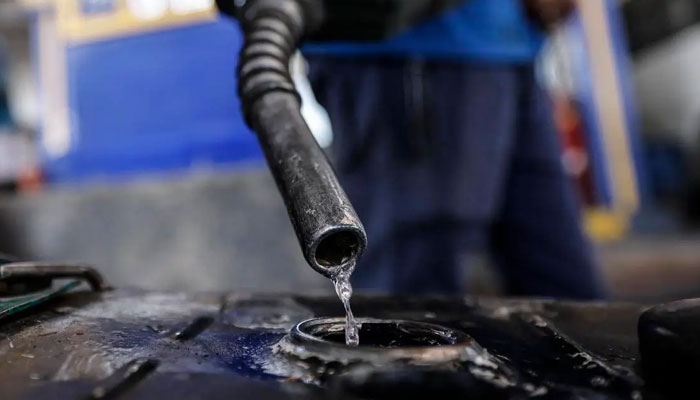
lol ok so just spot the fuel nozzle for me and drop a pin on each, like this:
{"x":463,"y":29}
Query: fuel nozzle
{"x":330,"y":233}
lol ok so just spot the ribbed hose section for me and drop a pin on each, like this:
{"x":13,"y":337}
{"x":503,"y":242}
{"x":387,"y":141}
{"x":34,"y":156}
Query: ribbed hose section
{"x":329,"y":231}
{"x":272,"y":29}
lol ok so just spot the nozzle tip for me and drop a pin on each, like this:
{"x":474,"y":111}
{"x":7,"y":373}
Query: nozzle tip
{"x":337,"y":249}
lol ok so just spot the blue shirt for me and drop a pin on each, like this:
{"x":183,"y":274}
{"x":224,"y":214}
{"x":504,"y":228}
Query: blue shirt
{"x":479,"y":30}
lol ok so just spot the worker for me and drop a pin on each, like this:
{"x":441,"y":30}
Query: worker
{"x":445,"y":143}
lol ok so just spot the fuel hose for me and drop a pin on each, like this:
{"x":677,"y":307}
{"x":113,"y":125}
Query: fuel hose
{"x":330,"y":233}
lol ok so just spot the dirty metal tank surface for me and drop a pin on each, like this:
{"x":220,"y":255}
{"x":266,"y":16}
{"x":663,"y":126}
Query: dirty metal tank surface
{"x":127,"y":344}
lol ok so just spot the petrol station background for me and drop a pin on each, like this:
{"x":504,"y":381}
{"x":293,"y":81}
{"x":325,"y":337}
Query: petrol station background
{"x":125,"y":146}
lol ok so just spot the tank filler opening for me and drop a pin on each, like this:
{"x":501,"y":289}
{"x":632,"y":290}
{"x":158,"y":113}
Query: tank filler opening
{"x":380,"y":333}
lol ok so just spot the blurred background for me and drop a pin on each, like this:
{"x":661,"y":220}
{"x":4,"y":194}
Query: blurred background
{"x":122,"y":145}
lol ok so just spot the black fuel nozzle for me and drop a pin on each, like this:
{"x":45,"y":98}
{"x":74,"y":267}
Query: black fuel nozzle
{"x":330,"y":233}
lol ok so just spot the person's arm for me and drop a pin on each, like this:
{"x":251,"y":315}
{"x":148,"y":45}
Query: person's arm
{"x":548,"y":13}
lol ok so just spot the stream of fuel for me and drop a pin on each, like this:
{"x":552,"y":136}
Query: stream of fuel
{"x":343,"y":288}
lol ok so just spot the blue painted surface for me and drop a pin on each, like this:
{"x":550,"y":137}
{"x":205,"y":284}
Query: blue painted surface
{"x":154,"y":102}
{"x":494,"y":31}
{"x":625,"y":74}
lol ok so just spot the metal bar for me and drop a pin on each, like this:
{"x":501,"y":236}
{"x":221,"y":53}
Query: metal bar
{"x":39,"y":270}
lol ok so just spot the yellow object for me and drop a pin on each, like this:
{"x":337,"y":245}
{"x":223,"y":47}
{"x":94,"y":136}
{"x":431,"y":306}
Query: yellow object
{"x":34,"y":4}
{"x":124,"y":17}
{"x":609,"y":105}
{"x":609,"y":224}
{"x":605,"y":226}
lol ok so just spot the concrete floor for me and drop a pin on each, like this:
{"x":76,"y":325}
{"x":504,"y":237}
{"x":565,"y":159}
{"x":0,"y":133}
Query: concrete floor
{"x":654,"y":268}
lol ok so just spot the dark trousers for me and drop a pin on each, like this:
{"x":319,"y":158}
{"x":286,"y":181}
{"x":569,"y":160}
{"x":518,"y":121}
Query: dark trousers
{"x":440,"y":158}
